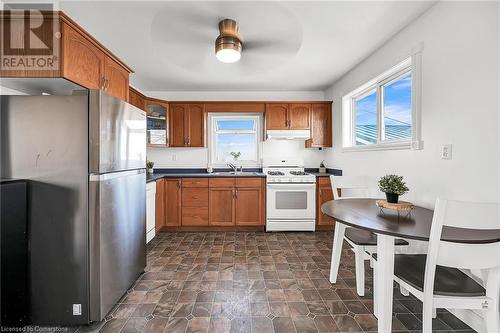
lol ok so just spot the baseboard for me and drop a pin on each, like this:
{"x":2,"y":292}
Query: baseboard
{"x":213,"y":228}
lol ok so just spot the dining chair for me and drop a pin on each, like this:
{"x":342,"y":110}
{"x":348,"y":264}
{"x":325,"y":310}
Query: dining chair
{"x":362,"y":242}
{"x":437,"y":279}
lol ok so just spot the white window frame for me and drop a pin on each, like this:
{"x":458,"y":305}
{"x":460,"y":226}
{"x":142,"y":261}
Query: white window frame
{"x":212,"y":137}
{"x":409,"y":65}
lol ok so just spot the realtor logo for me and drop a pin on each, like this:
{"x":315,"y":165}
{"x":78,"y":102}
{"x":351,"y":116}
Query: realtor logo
{"x":30,"y":37}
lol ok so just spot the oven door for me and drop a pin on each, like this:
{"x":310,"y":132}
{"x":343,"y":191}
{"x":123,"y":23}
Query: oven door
{"x":291,"y":201}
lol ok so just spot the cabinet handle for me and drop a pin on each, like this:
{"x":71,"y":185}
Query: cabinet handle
{"x":188,"y":140}
{"x":320,"y":193}
{"x":195,"y":197}
{"x":178,"y":184}
{"x":195,"y":216}
{"x":236,"y":193}
{"x":103,"y":83}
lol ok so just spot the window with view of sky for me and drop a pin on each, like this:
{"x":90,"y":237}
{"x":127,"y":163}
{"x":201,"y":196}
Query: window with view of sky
{"x":396,"y":112}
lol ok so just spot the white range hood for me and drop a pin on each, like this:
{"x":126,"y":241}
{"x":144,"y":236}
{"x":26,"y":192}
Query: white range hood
{"x":288,"y":134}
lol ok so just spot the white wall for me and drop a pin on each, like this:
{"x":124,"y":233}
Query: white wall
{"x":198,"y":157}
{"x":460,"y":105}
{"x":271,"y":150}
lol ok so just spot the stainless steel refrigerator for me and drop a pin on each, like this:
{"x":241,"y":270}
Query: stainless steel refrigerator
{"x":85,"y":158}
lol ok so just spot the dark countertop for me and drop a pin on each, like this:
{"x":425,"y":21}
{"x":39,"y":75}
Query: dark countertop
{"x":193,"y":173}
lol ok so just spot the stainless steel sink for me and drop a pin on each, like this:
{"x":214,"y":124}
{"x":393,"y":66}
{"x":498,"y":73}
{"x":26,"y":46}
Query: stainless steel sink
{"x":235,"y":174}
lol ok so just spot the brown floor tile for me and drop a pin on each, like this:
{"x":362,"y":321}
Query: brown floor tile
{"x":304,"y":324}
{"x":283,"y":325}
{"x":262,"y":325}
{"x":198,"y":325}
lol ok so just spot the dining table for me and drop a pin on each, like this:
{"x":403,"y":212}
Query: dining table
{"x":388,"y":225}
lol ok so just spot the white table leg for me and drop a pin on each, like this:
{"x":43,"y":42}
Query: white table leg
{"x":384,"y":280}
{"x":338,"y":239}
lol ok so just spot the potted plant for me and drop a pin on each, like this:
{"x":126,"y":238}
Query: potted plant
{"x":150,"y":165}
{"x":393,"y":186}
{"x":322,"y":167}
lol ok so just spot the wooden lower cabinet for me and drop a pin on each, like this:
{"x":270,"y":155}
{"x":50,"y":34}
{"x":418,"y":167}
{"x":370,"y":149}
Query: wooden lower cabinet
{"x":160,"y":204}
{"x":324,"y":193}
{"x":204,"y":202}
{"x":194,"y":202}
{"x":249,"y":206}
{"x":222,"y":206}
{"x":172,"y":201}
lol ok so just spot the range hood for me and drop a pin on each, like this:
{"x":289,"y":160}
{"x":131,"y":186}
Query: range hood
{"x":288,"y":134}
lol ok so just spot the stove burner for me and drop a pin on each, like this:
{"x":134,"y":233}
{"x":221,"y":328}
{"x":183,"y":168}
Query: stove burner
{"x":298,"y":173}
{"x":275,"y":173}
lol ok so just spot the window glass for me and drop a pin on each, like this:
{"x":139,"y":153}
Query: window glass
{"x":397,"y":108}
{"x":245,"y":143}
{"x":365,"y":108}
{"x":242,"y":124}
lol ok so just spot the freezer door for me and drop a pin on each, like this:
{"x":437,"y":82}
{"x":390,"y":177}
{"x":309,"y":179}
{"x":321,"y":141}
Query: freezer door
{"x":117,"y":236}
{"x":117,"y":134}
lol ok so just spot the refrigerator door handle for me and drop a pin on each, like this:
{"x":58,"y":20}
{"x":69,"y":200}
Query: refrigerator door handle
{"x":113,"y":175}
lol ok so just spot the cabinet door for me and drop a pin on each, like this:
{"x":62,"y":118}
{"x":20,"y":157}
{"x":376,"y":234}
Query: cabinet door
{"x":195,"y":125}
{"x":222,"y":208}
{"x":276,"y":116}
{"x":135,"y":99}
{"x":172,"y":202}
{"x":83,"y":62}
{"x":160,"y":205}
{"x":299,"y":116}
{"x":249,"y":206}
{"x":157,"y":120}
{"x":116,"y":79}
{"x":324,"y":194}
{"x":178,"y":137}
{"x":321,"y":126}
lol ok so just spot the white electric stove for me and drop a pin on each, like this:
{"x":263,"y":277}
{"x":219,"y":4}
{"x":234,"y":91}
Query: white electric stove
{"x":291,"y":197}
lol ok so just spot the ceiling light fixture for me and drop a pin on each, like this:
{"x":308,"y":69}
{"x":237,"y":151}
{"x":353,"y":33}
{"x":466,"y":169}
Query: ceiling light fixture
{"x":228,"y":44}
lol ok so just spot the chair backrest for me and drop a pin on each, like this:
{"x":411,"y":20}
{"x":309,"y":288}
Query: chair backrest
{"x":352,"y":186}
{"x":466,"y":216}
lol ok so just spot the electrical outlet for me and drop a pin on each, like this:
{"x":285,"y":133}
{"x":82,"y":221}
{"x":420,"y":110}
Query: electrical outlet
{"x":446,"y":151}
{"x":77,"y":309}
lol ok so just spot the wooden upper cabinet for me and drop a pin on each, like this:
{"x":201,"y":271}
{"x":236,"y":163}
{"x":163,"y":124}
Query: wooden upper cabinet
{"x":321,"y":126}
{"x":79,"y":56}
{"x":115,"y":79}
{"x":172,"y":201}
{"x":276,"y":116}
{"x":196,"y":125}
{"x":157,"y":120}
{"x":160,"y":205}
{"x":221,"y":206}
{"x":136,"y":99}
{"x":83,"y":60}
{"x":299,"y":116}
{"x":187,"y":125}
{"x":176,"y":125}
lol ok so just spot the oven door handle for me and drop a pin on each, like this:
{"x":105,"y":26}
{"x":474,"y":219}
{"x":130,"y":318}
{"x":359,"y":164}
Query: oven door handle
{"x":288,"y":185}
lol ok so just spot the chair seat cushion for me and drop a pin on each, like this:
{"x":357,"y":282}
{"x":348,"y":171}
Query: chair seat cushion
{"x":364,"y":237}
{"x":448,"y":281}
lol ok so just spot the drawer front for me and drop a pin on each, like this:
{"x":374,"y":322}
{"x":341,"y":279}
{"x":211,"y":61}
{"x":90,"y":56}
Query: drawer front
{"x":249,"y":182}
{"x":194,"y":182}
{"x":221,"y":182}
{"x":195,"y":197}
{"x":324,"y":181}
{"x":195,"y":216}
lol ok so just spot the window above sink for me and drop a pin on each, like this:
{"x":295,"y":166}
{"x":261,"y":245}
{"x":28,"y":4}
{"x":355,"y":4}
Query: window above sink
{"x":234,"y":133}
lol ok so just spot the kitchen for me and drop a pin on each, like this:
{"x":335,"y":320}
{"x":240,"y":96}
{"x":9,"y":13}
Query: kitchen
{"x":252,"y":131}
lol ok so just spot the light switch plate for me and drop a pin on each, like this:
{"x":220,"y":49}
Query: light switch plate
{"x":446,"y":151}
{"x":77,"y":309}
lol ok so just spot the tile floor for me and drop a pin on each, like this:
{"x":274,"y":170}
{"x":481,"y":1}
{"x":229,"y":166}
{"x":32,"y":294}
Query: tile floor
{"x":254,"y":282}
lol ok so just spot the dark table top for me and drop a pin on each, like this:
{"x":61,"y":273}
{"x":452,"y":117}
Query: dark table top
{"x":364,"y":214}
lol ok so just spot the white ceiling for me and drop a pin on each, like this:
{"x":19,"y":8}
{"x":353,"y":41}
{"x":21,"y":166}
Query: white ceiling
{"x":288,"y":46}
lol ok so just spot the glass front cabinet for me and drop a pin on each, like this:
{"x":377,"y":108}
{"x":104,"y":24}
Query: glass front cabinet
{"x":157,"y":129}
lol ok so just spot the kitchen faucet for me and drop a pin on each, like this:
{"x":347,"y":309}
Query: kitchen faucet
{"x":232,"y":166}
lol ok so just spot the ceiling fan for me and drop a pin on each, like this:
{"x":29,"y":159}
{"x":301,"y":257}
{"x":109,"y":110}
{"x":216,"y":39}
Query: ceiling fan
{"x":228,"y":45}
